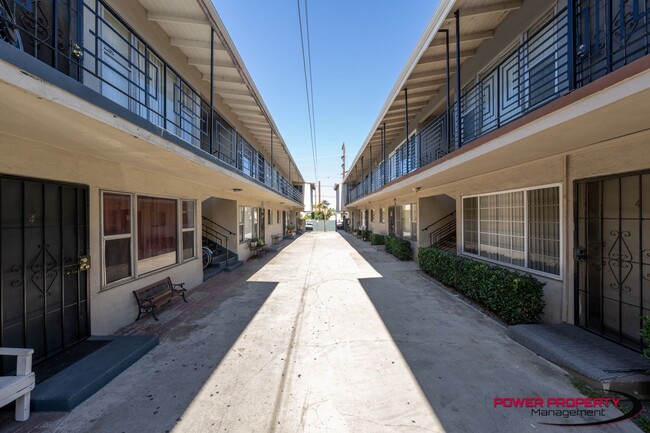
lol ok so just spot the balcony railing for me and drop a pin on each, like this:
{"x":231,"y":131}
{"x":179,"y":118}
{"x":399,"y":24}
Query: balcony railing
{"x":572,"y":49}
{"x":87,"y":41}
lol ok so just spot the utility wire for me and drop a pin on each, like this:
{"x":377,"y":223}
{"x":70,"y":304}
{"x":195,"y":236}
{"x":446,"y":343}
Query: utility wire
{"x":310,"y":109}
{"x":311,"y":83}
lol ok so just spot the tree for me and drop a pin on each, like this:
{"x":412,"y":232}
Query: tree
{"x":321,"y":211}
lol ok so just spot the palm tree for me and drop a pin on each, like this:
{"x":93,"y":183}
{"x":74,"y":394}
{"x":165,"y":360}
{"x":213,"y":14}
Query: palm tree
{"x":321,"y":211}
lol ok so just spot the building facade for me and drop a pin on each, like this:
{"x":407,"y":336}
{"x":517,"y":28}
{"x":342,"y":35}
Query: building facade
{"x":542,"y":164}
{"x":131,"y":136}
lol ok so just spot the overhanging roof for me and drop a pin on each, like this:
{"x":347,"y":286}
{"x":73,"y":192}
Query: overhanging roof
{"x":424,"y":75}
{"x":188,"y":23}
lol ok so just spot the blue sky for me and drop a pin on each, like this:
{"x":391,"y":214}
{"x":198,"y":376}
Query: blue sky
{"x":358,"y":49}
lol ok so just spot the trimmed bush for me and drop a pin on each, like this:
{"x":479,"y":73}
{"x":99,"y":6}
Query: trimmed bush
{"x":376,"y":239}
{"x":400,"y":248}
{"x":515,"y":297}
{"x":365,"y":235}
{"x":645,"y":335}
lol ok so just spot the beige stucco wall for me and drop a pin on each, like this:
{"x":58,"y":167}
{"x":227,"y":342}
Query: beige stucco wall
{"x":115,"y":307}
{"x":622,"y":155}
{"x":431,"y":209}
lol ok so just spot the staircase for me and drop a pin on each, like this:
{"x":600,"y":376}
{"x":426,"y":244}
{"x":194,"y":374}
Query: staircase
{"x":442,"y":233}
{"x":217,"y":257}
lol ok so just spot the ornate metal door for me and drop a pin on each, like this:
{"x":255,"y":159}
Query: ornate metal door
{"x":613,"y":256}
{"x":43,"y":265}
{"x":391,"y":220}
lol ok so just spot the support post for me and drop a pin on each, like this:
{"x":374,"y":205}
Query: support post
{"x":571,"y":44}
{"x":383,"y":153}
{"x":211,"y":128}
{"x":370,"y":167}
{"x":458,"y":114}
{"x":448,"y":87}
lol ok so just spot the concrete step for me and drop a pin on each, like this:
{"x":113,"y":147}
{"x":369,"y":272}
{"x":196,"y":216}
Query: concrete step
{"x":234,"y":264}
{"x":70,"y":387}
{"x":599,"y":362}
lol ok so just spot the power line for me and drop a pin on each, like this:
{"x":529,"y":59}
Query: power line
{"x":310,"y":109}
{"x":311,"y":84}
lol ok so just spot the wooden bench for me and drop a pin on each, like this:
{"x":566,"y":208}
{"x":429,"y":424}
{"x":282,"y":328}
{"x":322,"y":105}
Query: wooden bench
{"x":154,"y":296}
{"x":20,"y":386}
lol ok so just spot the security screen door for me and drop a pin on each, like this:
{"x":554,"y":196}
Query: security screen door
{"x":613,"y":256}
{"x":43,"y":265}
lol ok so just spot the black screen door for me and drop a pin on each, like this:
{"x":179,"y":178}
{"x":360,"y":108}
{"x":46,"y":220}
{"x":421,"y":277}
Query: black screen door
{"x":43,"y":265}
{"x":612,"y":256}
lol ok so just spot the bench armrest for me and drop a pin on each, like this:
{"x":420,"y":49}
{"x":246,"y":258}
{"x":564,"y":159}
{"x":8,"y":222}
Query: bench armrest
{"x":11,"y":351}
{"x":23,"y":360}
{"x":181,"y":285}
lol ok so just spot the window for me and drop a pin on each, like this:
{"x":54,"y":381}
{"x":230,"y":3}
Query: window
{"x":157,"y":233}
{"x":382,"y":215}
{"x":165,"y":228}
{"x":278,"y":216}
{"x":408,"y":221}
{"x":520,"y":228}
{"x":372,"y":215}
{"x":117,"y":237}
{"x":248,"y":223}
{"x":269,"y":217}
{"x":188,"y":230}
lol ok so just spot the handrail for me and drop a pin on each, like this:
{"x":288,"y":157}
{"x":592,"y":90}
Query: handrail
{"x":218,"y":225}
{"x":218,"y":237}
{"x":442,"y":233}
{"x":436,"y":222}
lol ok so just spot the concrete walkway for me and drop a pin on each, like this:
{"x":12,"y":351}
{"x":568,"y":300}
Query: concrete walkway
{"x":329,"y":336}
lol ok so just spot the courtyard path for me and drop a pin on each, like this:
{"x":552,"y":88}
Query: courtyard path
{"x":330,"y":335}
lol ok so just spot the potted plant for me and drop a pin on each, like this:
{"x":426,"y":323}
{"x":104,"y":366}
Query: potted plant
{"x":290,"y":228}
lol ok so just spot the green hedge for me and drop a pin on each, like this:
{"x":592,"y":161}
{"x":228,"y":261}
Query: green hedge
{"x":645,"y":335}
{"x":376,"y":239}
{"x":400,"y":248}
{"x":365,"y":235}
{"x":514,"y":297}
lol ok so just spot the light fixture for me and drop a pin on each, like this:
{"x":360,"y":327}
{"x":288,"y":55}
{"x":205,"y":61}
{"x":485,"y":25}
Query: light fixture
{"x":416,"y":189}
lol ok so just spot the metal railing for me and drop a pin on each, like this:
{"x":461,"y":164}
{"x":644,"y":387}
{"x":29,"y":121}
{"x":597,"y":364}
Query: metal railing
{"x":89,"y":42}
{"x":576,"y":46}
{"x":217,"y":234}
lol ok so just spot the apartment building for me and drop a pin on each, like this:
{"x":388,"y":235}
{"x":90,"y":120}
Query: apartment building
{"x":518,"y":134}
{"x":131,"y":135}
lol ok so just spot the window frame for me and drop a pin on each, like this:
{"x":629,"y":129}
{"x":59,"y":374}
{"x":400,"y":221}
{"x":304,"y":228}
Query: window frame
{"x":135,"y":273}
{"x":241,"y":224}
{"x":184,"y":230}
{"x":103,"y":238}
{"x":525,"y":268}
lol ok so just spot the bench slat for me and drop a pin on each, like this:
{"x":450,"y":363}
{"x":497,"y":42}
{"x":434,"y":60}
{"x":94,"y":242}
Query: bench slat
{"x":153,"y":296}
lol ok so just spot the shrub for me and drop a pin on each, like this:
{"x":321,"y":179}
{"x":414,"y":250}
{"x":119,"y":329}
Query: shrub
{"x":515,"y":297}
{"x":376,"y":239}
{"x":400,"y":248}
{"x":365,"y":235}
{"x":645,"y":335}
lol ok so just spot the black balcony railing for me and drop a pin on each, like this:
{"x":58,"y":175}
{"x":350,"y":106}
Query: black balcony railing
{"x":87,"y":41}
{"x":575,"y":47}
